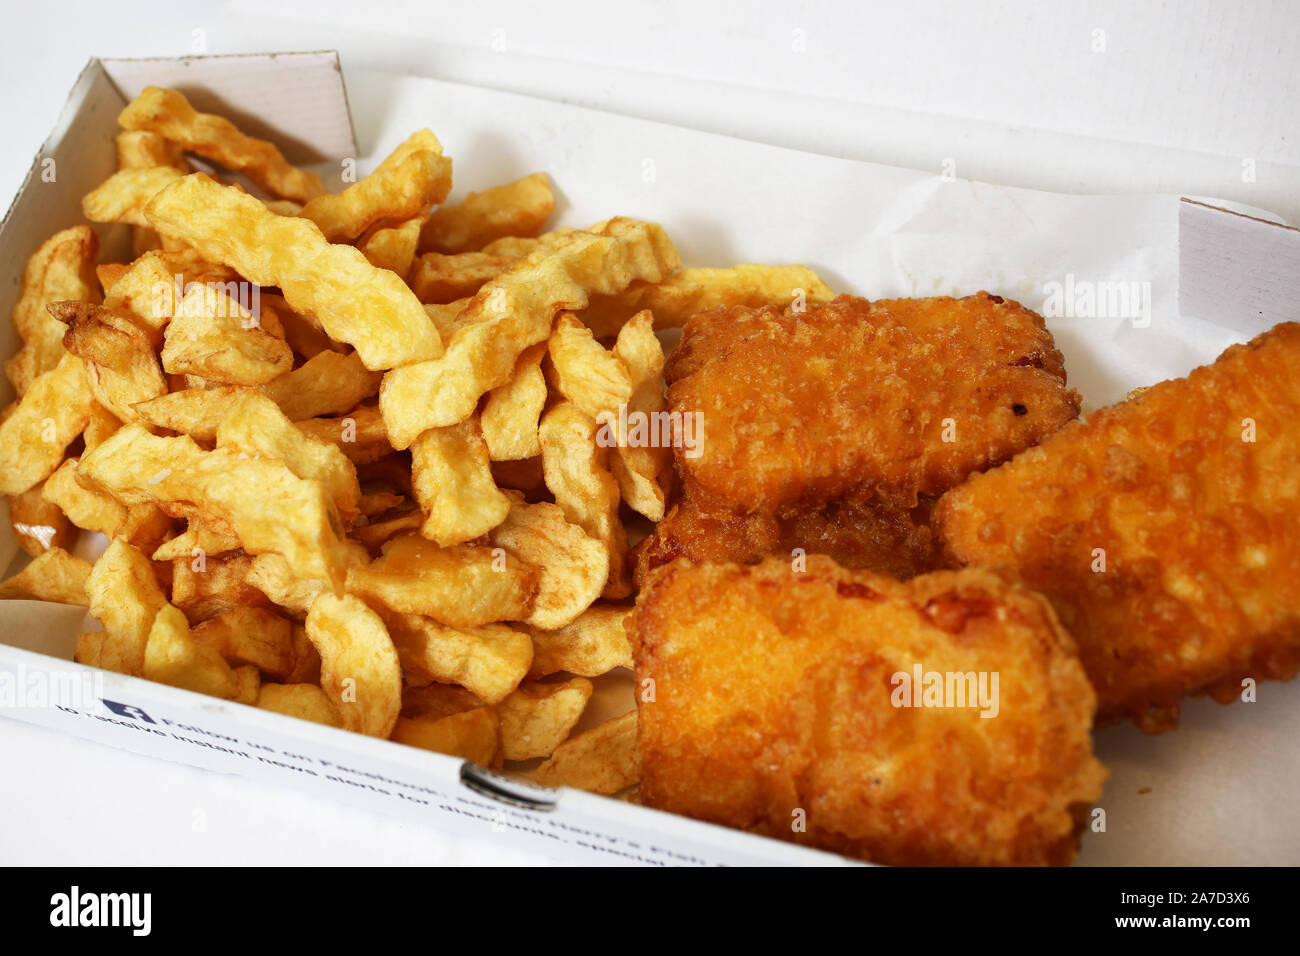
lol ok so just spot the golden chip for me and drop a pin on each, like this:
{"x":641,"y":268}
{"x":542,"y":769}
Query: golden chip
{"x":452,"y":479}
{"x":207,"y":587}
{"x":447,"y":316}
{"x":123,"y":196}
{"x":359,"y":667}
{"x":38,"y":523}
{"x":584,"y":371}
{"x":169,"y":114}
{"x":140,"y":524}
{"x":637,"y":461}
{"x":489,"y":661}
{"x":264,"y":502}
{"x":462,"y":586}
{"x":173,"y":657}
{"x":520,"y":208}
{"x":250,"y":635}
{"x":603,"y":759}
{"x":121,"y":366}
{"x":522,"y":246}
{"x":48,"y":418}
{"x":676,"y":298}
{"x":511,"y":412}
{"x":360,"y":434}
{"x":306,"y":660}
{"x":213,"y":334}
{"x":470,"y":735}
{"x":573,"y":565}
{"x":255,"y":426}
{"x":537,"y":717}
{"x":370,"y":309}
{"x":437,"y":700}
{"x":392,"y":247}
{"x":594,"y":643}
{"x":62,"y":269}
{"x":198,"y":540}
{"x":577,"y":473}
{"x":89,"y":649}
{"x":137,"y":148}
{"x":404,"y":185}
{"x":378,"y":533}
{"x":436,"y":279}
{"x":248,"y":685}
{"x":512,"y":312}
{"x":124,"y":598}
{"x":54,"y":575}
{"x":271,"y":574}
{"x":141,"y":150}
{"x":88,"y":508}
{"x":326,"y":384}
{"x":305,"y":701}
{"x":152,"y":287}
{"x":102,"y":424}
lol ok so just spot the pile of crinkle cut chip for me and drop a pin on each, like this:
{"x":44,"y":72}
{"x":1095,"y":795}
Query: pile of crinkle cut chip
{"x":860,"y":574}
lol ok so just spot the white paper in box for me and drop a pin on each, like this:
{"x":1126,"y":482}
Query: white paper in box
{"x":1219,"y":790}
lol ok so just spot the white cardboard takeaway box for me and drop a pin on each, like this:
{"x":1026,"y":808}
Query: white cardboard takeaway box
{"x":303,"y":97}
{"x":1200,"y":277}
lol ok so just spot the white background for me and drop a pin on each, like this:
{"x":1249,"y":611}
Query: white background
{"x":1104,"y":97}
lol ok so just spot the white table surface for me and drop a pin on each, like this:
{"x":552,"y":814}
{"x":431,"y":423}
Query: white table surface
{"x":1170,"y":97}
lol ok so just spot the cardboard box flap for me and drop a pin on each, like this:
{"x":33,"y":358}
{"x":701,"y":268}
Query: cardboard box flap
{"x":295,"y":100}
{"x":1236,"y":270}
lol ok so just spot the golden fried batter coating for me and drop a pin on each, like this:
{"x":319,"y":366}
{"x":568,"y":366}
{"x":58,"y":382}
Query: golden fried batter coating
{"x":1165,"y":530}
{"x":858,"y":535}
{"x":891,"y":399}
{"x":774,"y":710}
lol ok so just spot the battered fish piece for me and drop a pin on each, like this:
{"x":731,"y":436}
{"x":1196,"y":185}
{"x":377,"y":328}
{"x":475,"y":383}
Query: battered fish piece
{"x":1190,"y":493}
{"x":774,"y":710}
{"x":890,"y":399}
{"x":858,"y":535}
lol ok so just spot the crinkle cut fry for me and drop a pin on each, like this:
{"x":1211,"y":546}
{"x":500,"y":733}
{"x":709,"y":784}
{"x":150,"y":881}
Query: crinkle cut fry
{"x":683,"y":294}
{"x":514,"y":311}
{"x":370,"y":309}
{"x":170,"y":114}
{"x":415,"y":176}
{"x":269,"y":507}
{"x":62,"y":269}
{"x":520,"y":209}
